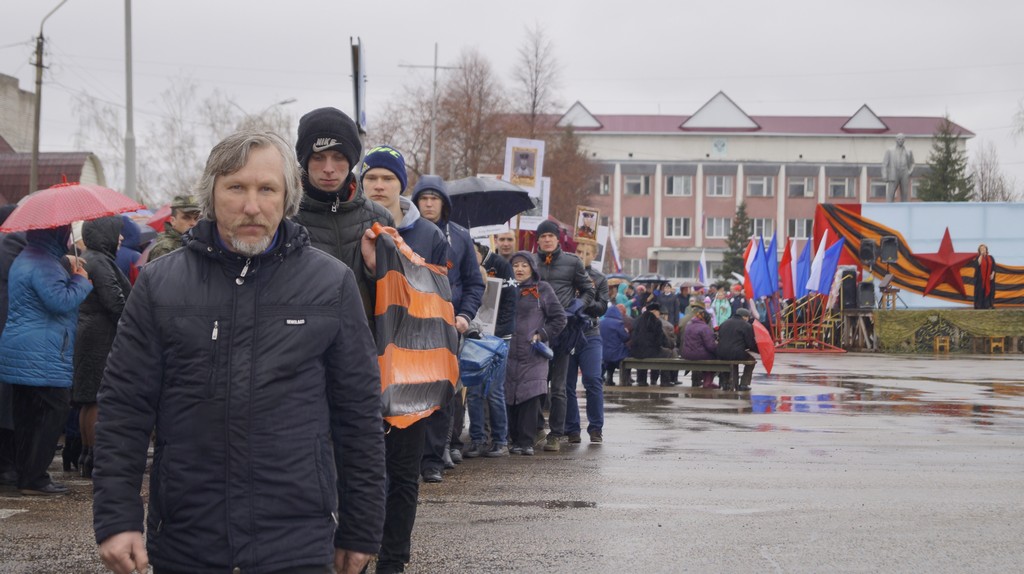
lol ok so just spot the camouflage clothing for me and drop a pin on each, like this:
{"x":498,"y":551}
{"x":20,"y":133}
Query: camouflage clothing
{"x":166,"y":242}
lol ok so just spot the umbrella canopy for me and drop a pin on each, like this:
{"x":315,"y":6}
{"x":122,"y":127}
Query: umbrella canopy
{"x":64,"y":203}
{"x":478,"y":201}
{"x":765,"y":345}
{"x":157,"y":220}
{"x":691,"y":283}
{"x":650,"y":278}
{"x":620,"y":276}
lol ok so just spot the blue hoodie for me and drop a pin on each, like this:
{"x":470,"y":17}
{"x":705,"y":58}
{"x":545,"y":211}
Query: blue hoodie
{"x":463,"y":271}
{"x":421,"y":235}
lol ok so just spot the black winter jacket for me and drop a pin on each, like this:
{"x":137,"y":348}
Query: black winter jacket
{"x":337,"y":227}
{"x":735,"y":338}
{"x":99,"y":313}
{"x":260,"y":376}
{"x":567,"y":276}
{"x":599,"y":306}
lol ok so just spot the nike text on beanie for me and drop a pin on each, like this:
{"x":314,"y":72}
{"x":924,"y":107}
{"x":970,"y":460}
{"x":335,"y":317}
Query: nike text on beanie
{"x":387,"y":158}
{"x":547,"y":226}
{"x":328,"y":128}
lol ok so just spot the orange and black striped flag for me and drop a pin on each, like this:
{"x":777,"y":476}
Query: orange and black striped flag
{"x":417,"y":341}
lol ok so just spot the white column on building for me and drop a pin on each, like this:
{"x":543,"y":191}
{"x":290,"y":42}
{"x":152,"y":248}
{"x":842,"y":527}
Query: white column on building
{"x":738,"y":186}
{"x":658,"y":221}
{"x":862,"y":190}
{"x":617,"y":204}
{"x":698,"y":207}
{"x":781,"y":191}
{"x":822,"y":184}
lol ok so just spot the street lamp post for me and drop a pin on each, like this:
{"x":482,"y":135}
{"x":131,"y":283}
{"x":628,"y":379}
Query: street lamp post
{"x":250,"y":118}
{"x":33,"y":181}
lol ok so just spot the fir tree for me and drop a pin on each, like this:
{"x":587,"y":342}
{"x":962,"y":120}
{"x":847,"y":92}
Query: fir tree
{"x":739,"y":237}
{"x":948,"y":179}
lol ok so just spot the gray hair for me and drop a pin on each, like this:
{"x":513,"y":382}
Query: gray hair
{"x":231,"y":155}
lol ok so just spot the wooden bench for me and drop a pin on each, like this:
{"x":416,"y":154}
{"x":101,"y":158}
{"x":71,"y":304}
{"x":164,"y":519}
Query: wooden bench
{"x":731,"y":367}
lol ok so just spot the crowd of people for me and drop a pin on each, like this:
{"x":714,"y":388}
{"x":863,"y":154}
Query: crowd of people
{"x":240,"y":346}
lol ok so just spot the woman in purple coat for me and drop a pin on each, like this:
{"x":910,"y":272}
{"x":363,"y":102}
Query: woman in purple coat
{"x":698,"y":343}
{"x":539,"y":317}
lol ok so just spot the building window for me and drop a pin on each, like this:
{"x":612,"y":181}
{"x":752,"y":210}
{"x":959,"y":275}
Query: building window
{"x":760,"y":186}
{"x":677,"y":227}
{"x":719,"y":185}
{"x":842,"y":187}
{"x":677,"y":268}
{"x":679,"y":186}
{"x":799,"y":228}
{"x":801,"y":186}
{"x":915,"y":186}
{"x":604,"y":220}
{"x":878,"y":187}
{"x":718,"y":227}
{"x":762,"y":227}
{"x":636,"y":227}
{"x":634,"y":266}
{"x":638,"y":185}
{"x":604,"y":185}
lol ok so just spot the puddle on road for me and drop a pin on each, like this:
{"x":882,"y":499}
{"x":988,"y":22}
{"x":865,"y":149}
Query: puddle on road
{"x":548,"y":504}
{"x":982,"y":403}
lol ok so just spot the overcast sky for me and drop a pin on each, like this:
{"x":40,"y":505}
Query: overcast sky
{"x":822,"y":57}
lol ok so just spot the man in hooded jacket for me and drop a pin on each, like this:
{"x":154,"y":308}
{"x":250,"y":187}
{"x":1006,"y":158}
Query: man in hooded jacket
{"x":334,"y":209}
{"x":444,"y":427}
{"x":248,"y":353}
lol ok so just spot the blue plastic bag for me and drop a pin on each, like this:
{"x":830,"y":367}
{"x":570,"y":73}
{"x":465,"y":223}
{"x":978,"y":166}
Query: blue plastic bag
{"x":481,"y":359}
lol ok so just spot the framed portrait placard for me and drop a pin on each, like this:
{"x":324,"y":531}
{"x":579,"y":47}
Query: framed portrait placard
{"x":524,"y":164}
{"x":586,"y":223}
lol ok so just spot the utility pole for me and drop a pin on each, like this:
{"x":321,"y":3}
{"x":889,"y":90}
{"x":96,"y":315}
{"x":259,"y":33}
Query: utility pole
{"x":33,"y":181}
{"x":433,"y":106}
{"x":129,"y":135}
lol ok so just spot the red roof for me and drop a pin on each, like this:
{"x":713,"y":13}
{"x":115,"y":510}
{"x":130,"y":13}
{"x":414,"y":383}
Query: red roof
{"x":785,"y":125}
{"x":16,"y":169}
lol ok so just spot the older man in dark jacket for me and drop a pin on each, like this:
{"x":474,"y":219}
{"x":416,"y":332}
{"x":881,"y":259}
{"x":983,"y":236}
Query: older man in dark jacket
{"x":568,"y":277}
{"x":735,"y":338}
{"x":248,"y":352}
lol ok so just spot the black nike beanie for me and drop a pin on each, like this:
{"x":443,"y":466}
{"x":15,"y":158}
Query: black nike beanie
{"x":328,"y":128}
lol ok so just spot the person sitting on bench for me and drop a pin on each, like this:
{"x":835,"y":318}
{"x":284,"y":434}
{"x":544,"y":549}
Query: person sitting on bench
{"x":735,"y":338}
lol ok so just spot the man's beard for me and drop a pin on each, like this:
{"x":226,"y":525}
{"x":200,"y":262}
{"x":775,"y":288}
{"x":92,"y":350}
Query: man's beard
{"x":250,"y":249}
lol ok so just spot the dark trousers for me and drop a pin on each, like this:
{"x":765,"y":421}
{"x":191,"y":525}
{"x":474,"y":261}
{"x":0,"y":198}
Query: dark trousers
{"x":7,"y":463}
{"x":557,"y":371}
{"x":435,"y":437}
{"x":403,"y":451}
{"x":522,"y":421}
{"x":39,"y":416}
{"x":458,"y":422}
{"x":587,"y":361}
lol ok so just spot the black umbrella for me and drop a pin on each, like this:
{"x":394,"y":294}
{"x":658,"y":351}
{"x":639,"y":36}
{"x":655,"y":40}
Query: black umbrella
{"x":478,"y":201}
{"x":623,"y":276}
{"x":650,"y":278}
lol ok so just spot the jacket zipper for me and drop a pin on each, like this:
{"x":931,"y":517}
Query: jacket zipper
{"x":211,"y":383}
{"x":245,"y":269}
{"x":337,"y":202}
{"x":64,"y":345}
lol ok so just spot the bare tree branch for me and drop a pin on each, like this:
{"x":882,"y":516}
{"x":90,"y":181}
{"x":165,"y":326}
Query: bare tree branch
{"x":989,"y":182}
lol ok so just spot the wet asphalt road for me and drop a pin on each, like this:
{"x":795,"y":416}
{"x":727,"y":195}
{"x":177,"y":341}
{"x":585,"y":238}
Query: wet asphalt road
{"x":849,"y":463}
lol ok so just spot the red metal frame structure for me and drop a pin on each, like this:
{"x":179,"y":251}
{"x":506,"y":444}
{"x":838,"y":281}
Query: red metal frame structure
{"x":808,"y":326}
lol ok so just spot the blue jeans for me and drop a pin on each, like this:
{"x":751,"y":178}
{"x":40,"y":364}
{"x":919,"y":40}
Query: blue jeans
{"x":495,"y":389}
{"x":589,"y":361}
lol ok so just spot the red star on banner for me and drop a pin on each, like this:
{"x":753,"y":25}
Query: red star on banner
{"x":945,"y":266}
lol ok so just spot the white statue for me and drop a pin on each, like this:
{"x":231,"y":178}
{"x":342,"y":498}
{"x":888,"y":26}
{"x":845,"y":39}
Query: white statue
{"x":897,"y":165}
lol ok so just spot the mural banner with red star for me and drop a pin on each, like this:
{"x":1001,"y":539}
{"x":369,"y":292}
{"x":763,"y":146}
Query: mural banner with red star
{"x":946,"y":274}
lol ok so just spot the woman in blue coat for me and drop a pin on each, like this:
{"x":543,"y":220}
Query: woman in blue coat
{"x":615,"y":337}
{"x":36,"y":350}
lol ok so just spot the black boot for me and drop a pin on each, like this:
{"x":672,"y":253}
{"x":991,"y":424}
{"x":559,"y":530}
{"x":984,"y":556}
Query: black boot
{"x":71,"y":453}
{"x":87,"y":462}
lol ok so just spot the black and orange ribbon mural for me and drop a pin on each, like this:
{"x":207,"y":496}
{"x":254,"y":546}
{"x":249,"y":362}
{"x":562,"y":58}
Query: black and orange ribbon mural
{"x":915,"y":273}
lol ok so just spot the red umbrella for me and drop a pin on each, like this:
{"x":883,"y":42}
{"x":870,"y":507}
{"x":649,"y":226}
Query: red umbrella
{"x":157,"y":220}
{"x":765,"y":345}
{"x":64,"y":203}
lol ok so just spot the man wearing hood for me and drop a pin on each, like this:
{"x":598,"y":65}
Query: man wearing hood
{"x":248,"y":353}
{"x":334,"y":209}
{"x":568,"y":277}
{"x":383,"y":176}
{"x":36,"y":350}
{"x":431,"y":197}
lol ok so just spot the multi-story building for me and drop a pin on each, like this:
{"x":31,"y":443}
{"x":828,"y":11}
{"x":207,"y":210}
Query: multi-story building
{"x":670,"y":185}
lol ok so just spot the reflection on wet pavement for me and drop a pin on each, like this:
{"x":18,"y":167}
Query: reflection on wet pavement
{"x":980,"y":389}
